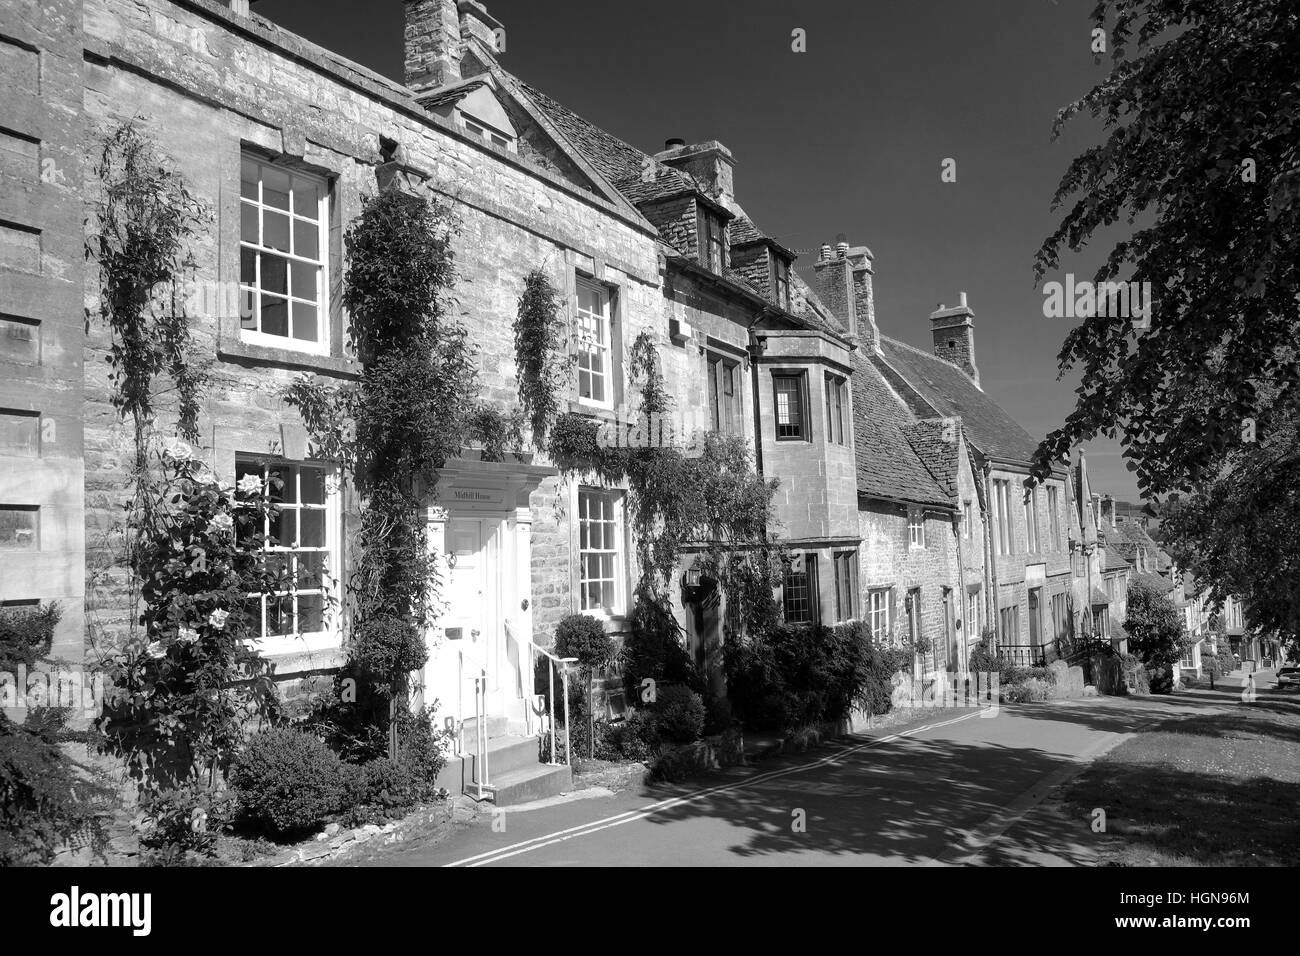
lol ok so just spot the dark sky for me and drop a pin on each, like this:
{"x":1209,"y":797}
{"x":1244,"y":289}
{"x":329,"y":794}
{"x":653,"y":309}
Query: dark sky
{"x":848,"y":137}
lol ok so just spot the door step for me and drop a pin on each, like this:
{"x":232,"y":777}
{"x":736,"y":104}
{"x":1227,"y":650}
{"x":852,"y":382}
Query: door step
{"x":525,"y":784}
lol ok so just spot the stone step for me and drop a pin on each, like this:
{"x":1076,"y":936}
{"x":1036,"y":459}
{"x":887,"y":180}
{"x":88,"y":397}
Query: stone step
{"x":527,"y":783}
{"x":503,"y":755}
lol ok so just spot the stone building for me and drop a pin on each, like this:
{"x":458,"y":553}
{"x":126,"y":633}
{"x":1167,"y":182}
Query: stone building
{"x":1011,"y":570}
{"x":42,"y":497}
{"x":280,"y":140}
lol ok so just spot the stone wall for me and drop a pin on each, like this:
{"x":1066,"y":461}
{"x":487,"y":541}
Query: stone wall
{"x":41,"y":274}
{"x":211,"y":83}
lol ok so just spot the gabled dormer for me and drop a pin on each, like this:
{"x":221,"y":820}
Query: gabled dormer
{"x":472,"y":104}
{"x":763,"y":262}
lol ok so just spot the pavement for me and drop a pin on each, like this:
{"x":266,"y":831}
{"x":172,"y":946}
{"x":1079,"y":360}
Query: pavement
{"x":951,"y":788}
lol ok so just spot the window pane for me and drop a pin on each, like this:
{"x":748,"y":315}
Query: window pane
{"x":306,"y":197}
{"x":305,"y":322}
{"x":275,"y":187}
{"x":248,"y":222}
{"x":303,"y":278}
{"x":306,"y":239}
{"x":275,"y":274}
{"x":311,"y":613}
{"x":248,"y":267}
{"x":279,"y":616}
{"x":248,"y":179}
{"x":312,"y":527}
{"x":275,"y":316}
{"x":19,"y":529}
{"x":312,"y":483}
{"x":275,"y":231}
{"x":285,"y":529}
{"x":311,"y":569}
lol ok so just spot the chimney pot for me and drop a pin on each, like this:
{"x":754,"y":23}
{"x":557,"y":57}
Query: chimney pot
{"x":963,"y":300}
{"x":825,"y":254}
{"x":842,"y":250}
{"x":674,"y":143}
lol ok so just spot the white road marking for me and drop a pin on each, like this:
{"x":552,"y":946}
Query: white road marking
{"x":629,"y":816}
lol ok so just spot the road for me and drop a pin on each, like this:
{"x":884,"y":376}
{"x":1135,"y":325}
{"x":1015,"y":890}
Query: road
{"x":952,"y":789}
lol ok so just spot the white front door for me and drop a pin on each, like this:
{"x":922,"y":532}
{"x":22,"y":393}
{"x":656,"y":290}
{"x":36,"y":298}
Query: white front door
{"x":466,"y":627}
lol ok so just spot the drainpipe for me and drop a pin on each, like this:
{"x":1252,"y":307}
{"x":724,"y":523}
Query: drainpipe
{"x":754,"y":351}
{"x":990,"y":562}
{"x":962,"y":649}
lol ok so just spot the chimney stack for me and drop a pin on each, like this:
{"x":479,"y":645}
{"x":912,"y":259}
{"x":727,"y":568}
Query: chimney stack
{"x":476,"y":22}
{"x":843,"y":281}
{"x":710,"y":162}
{"x":954,"y":337}
{"x":436,"y":34}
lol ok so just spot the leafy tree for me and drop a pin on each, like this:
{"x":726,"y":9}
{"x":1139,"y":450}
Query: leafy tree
{"x":1155,"y":630}
{"x":1237,"y":531}
{"x":1201,"y":111}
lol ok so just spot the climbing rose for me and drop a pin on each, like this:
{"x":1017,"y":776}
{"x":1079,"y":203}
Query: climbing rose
{"x":218,"y":619}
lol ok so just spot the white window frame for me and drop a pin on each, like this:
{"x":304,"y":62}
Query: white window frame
{"x":972,"y":617}
{"x":330,"y":635}
{"x":915,"y":529}
{"x":321,"y":346}
{"x":879,"y":605}
{"x":966,"y":519}
{"x":618,"y":552}
{"x":601,"y":323}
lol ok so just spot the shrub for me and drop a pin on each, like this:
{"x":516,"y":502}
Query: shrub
{"x":636,"y":738}
{"x":983,"y":660}
{"x":679,"y":712}
{"x":1030,"y":690}
{"x":181,"y":823}
{"x":44,"y":802}
{"x":717,"y":714}
{"x":26,"y":635}
{"x":287,"y":781}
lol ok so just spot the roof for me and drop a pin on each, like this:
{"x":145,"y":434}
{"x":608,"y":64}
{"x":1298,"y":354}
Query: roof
{"x":1154,"y":581}
{"x":888,"y":465}
{"x":948,"y":390}
{"x":1099,"y":597}
{"x":1113,"y":560}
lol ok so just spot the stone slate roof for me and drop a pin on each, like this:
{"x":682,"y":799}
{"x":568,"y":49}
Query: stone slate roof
{"x":1162,"y":585}
{"x":666,"y":182}
{"x":888,"y":465}
{"x":939,"y":456}
{"x":1099,"y":596}
{"x":615,"y":159}
{"x":1113,"y":560}
{"x":990,"y":429}
{"x":743,"y":232}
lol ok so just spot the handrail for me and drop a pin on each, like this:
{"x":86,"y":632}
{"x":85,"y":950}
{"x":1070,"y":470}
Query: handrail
{"x":480,"y":720}
{"x":562,"y":663}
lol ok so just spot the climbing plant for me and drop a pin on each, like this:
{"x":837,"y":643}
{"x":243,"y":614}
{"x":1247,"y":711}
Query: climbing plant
{"x":183,"y":694}
{"x":539,"y":339}
{"x":142,"y":223}
{"x":415,"y":405}
{"x":709,"y":501}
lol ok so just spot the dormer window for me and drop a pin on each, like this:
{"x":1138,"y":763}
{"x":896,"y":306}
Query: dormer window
{"x":781,"y":281}
{"x":487,"y":133}
{"x":712,"y":242}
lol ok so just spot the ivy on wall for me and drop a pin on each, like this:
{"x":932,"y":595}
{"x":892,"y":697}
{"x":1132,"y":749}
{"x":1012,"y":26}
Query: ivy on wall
{"x":709,"y":502}
{"x":415,"y":406}
{"x":539,"y":338}
{"x":142,"y":224}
